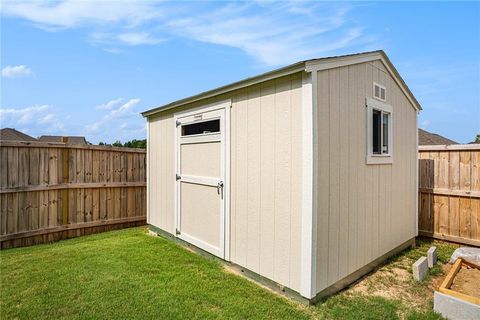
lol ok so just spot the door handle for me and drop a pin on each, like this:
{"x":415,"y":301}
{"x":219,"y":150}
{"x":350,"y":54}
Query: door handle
{"x":220,"y":186}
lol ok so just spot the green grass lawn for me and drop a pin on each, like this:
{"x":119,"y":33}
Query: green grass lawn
{"x":128,"y":274}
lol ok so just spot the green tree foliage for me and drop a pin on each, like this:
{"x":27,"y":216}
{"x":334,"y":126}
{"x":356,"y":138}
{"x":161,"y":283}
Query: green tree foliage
{"x":117,"y":144}
{"x":129,"y":144}
{"x":477,"y":138}
{"x":136,"y":144}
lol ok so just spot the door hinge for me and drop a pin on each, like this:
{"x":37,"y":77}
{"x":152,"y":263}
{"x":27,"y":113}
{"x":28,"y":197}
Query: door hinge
{"x":177,"y":123}
{"x":177,"y":232}
{"x":177,"y":177}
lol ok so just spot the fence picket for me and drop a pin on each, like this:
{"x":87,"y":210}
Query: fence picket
{"x":56,"y":191}
{"x":454,"y":211}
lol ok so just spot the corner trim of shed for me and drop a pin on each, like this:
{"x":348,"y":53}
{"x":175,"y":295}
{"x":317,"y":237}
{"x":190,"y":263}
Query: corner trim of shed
{"x":308,"y":247}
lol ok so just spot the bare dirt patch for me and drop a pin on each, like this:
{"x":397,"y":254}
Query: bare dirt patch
{"x":467,"y":281}
{"x":394,"y":281}
{"x":390,"y":283}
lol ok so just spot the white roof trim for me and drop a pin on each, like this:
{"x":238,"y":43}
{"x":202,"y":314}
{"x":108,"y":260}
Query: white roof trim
{"x":335,"y":62}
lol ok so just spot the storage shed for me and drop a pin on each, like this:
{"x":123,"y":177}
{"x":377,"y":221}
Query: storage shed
{"x":305,"y":176}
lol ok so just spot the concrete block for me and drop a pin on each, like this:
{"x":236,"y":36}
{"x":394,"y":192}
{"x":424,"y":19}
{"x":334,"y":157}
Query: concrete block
{"x":453,"y":308}
{"x":432,"y":256}
{"x":420,"y":269}
{"x":152,"y":233}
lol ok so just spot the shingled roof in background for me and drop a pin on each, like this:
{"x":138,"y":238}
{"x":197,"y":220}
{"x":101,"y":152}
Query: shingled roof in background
{"x":426,"y":138}
{"x":10,"y":134}
{"x":76,"y":140}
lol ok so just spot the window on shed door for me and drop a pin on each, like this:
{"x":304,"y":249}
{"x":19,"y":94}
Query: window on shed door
{"x":204,"y":127}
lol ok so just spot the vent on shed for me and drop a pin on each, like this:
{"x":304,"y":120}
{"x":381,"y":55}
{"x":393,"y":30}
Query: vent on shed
{"x":379,"y":92}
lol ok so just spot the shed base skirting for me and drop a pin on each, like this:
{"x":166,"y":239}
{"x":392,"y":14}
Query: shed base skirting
{"x":275,"y":286}
{"x":351,"y":278}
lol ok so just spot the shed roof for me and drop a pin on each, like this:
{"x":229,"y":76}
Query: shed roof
{"x":10,"y":134}
{"x":426,"y":138}
{"x":306,"y":65}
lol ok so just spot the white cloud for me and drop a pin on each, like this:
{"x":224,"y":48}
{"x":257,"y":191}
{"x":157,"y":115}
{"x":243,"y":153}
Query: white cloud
{"x":121,"y":121}
{"x":16,"y":71}
{"x":117,"y":113}
{"x":138,"y":38}
{"x":38,"y":119}
{"x":272,"y":36}
{"x":110,"y":104}
{"x":274,"y":33}
{"x":73,"y":13}
{"x":127,"y":38}
{"x":424,"y":124}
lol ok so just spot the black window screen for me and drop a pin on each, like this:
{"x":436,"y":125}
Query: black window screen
{"x":201,"y":127}
{"x":377,"y":122}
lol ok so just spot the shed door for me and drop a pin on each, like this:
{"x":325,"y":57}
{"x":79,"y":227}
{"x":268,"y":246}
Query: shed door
{"x":200,"y":180}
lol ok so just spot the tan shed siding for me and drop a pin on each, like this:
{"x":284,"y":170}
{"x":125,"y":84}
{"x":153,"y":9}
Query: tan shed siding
{"x":267,"y":179}
{"x":161,"y":172}
{"x":266,"y":176}
{"x":363,"y":210}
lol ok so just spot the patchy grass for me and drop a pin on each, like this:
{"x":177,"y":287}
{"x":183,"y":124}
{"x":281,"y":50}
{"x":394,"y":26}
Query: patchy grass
{"x":128,"y":274}
{"x":393,"y":283}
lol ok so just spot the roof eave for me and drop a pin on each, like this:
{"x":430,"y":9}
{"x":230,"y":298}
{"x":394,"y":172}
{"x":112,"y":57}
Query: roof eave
{"x":308,"y":66}
{"x":290,"y":69}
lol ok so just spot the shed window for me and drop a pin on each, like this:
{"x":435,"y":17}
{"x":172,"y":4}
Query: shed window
{"x":204,"y":127}
{"x":380,"y":129}
{"x":379,"y":132}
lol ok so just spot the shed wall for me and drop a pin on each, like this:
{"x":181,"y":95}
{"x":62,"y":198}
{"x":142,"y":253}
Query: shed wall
{"x":266,"y":176}
{"x":364,"y":211}
{"x":161,"y":172}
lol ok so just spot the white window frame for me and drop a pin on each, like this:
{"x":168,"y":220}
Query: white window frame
{"x":380,"y":92}
{"x":372,"y":158}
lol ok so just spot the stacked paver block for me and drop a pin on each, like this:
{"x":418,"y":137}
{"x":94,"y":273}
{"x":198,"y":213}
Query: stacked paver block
{"x":432,"y":256}
{"x":420,"y":269}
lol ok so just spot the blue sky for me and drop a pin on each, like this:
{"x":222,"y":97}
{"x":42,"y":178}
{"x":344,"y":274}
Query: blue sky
{"x":89,"y":67}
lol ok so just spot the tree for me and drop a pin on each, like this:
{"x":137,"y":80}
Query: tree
{"x":477,"y":138}
{"x":136,"y":144}
{"x":129,"y":144}
{"x":117,"y":144}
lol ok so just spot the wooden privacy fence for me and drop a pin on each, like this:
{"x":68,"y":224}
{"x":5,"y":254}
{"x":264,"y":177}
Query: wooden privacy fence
{"x":449,"y":193}
{"x":57,"y":191}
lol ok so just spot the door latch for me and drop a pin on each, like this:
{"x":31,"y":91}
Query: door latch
{"x":220,"y":187}
{"x":177,"y":177}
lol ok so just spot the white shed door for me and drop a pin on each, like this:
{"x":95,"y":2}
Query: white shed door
{"x":200,"y":179}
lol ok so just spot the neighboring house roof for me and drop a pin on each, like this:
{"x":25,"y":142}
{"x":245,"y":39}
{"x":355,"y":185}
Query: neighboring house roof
{"x":306,"y":65}
{"x":10,"y":134}
{"x":67,"y":139}
{"x":426,"y":138}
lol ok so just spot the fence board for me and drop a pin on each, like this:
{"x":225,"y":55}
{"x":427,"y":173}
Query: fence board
{"x":12,"y":167}
{"x":53,"y":191}
{"x":3,"y":214}
{"x":449,"y":193}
